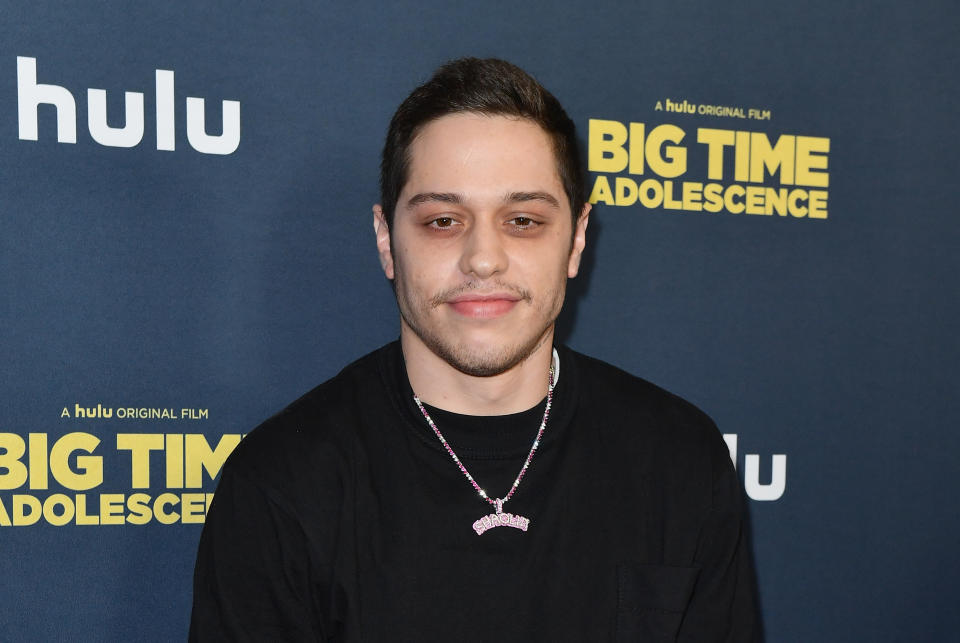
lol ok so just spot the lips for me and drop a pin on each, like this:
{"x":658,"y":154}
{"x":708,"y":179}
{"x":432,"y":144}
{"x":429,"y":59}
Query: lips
{"x":485,"y":306}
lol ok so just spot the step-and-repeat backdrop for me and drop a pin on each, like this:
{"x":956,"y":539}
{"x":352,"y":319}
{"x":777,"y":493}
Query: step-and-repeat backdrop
{"x":186,"y":240}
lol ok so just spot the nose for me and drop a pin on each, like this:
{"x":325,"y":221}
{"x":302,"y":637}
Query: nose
{"x":483,"y":252}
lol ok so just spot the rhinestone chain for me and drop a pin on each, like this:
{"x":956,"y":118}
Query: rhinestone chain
{"x":498,"y":503}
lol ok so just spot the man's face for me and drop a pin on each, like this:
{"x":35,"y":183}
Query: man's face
{"x":482,"y":241}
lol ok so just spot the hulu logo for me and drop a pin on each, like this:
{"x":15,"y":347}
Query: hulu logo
{"x":31,"y":94}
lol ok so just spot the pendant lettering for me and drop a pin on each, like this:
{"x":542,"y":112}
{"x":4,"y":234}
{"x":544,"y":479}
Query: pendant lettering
{"x":500,"y":520}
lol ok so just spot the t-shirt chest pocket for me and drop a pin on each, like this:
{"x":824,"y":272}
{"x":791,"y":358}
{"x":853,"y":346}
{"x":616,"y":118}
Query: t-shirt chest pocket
{"x":651,"y":601}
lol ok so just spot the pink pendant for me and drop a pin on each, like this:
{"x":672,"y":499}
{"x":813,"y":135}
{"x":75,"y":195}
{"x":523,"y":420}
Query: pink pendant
{"x":500,"y":520}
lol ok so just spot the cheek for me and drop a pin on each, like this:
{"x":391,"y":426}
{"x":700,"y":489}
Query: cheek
{"x":545,"y":268}
{"x":416,"y":283}
{"x":430,"y":268}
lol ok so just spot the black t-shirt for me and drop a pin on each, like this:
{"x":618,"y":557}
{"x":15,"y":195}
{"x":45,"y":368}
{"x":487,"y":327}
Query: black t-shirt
{"x":343,"y":518}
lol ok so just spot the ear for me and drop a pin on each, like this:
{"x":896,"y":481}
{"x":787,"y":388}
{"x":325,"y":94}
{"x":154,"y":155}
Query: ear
{"x":382,"y":232}
{"x":579,"y":241}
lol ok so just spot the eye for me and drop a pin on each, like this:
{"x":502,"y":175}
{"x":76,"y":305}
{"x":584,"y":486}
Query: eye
{"x":523,"y":223}
{"x":441,"y":222}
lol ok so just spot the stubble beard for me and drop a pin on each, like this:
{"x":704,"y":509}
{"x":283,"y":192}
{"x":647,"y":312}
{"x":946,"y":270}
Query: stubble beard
{"x":489,"y":361}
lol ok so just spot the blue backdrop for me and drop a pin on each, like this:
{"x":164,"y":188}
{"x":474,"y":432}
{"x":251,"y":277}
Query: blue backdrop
{"x":199,"y":253}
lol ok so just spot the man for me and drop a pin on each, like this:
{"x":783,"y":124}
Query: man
{"x":472,"y":482}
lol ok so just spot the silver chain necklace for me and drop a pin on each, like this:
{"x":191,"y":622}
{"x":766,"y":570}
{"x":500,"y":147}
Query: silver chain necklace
{"x":499,"y":518}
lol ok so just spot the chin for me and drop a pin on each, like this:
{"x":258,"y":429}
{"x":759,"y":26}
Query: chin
{"x":483,"y":358}
{"x":481,"y":365}
{"x":483,"y":349}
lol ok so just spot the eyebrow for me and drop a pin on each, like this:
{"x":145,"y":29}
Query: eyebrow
{"x":520,"y":197}
{"x":456,"y":199}
{"x":427,"y":197}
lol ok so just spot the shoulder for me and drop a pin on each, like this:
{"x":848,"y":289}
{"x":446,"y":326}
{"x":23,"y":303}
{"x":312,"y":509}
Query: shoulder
{"x":608,"y":385}
{"x":639,"y":414}
{"x":314,"y":435}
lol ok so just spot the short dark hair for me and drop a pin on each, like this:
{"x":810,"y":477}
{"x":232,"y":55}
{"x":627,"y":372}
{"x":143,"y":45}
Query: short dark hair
{"x":484,"y":86}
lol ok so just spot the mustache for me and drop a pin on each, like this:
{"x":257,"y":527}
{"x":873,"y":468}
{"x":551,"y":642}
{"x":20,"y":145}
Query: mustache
{"x":484,"y":286}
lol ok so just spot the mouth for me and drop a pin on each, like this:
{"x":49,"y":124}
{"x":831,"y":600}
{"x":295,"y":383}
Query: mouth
{"x":483,"y":306}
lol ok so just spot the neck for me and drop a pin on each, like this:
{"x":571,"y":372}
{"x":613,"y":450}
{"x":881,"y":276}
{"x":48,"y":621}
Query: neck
{"x":439,"y":384}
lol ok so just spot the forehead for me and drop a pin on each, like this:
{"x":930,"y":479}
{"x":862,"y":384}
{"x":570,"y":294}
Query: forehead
{"x":481,"y":156}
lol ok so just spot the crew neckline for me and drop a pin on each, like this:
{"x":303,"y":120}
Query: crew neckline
{"x":480,"y":437}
